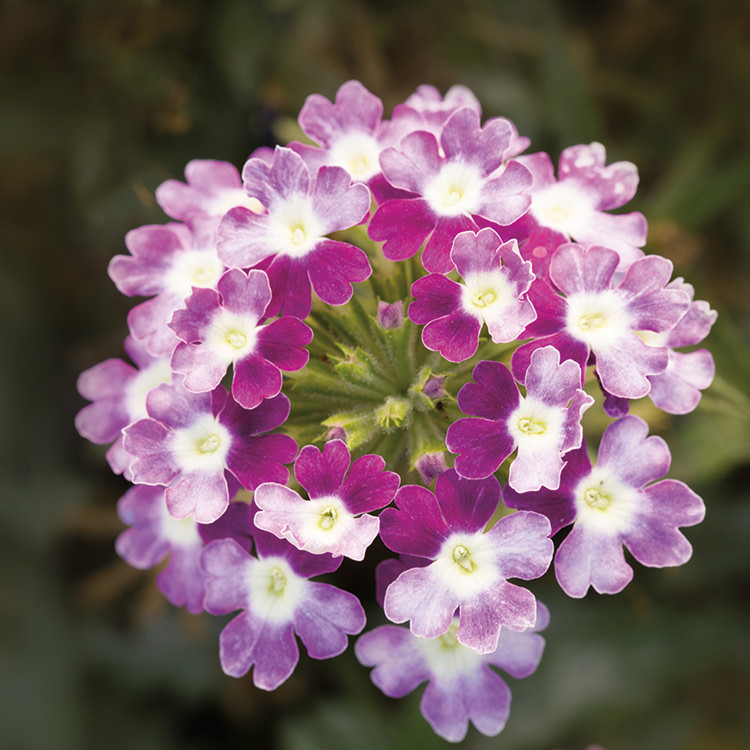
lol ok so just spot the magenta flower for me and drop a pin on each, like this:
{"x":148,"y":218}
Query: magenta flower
{"x":544,"y":425}
{"x":455,"y":180}
{"x":461,"y":686}
{"x":211,"y":189}
{"x":221,"y":327}
{"x":613,"y":504}
{"x":469,"y":567}
{"x":495,"y":282}
{"x":165,"y":263}
{"x":301,"y":211}
{"x":276,"y":600}
{"x":195,"y":444}
{"x":575,"y":206}
{"x":602,"y":314}
{"x":336,"y":519}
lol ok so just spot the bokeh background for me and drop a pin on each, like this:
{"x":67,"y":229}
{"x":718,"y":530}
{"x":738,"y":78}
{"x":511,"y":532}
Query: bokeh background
{"x":103,"y":100}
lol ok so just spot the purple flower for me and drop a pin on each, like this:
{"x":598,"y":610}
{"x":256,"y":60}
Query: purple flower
{"x":276,"y":600}
{"x":221,"y":326}
{"x":461,"y":687}
{"x":192,"y":443}
{"x":153,"y":536}
{"x":336,"y":518}
{"x":495,"y":282}
{"x":613,"y":504}
{"x":213,"y":187}
{"x":453,"y":181}
{"x":301,"y":211}
{"x":544,"y":425}
{"x":468,"y":566}
{"x":350,"y":131}
{"x":575,"y":206}
{"x":165,"y":263}
{"x":602,"y":314}
{"x":677,"y":390}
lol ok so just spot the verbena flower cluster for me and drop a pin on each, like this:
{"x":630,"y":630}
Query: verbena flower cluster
{"x":410,"y":316}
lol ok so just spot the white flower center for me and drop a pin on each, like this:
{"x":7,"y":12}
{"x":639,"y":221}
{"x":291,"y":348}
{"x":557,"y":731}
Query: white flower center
{"x":484,"y":294}
{"x":231,"y":336}
{"x":200,"y":268}
{"x":293,"y":227}
{"x":536,"y":424}
{"x":203,"y":446}
{"x":180,"y":532}
{"x":274,"y":589}
{"x":446,"y":657}
{"x":597,"y":319}
{"x":563,"y":207}
{"x":358,"y":154}
{"x":228,"y":199}
{"x":455,"y":190}
{"x":467,"y":563}
{"x":604,"y":502}
{"x":158,"y":372}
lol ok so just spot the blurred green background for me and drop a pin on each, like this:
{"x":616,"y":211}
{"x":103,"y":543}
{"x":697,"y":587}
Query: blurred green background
{"x":102,"y":101}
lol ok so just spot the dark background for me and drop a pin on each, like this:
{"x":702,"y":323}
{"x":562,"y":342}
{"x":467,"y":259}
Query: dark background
{"x":102,"y":101}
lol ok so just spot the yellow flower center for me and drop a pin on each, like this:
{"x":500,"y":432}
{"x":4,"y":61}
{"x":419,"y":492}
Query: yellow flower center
{"x":210,"y":443}
{"x":462,"y":558}
{"x":328,"y":518}
{"x":276,"y":581}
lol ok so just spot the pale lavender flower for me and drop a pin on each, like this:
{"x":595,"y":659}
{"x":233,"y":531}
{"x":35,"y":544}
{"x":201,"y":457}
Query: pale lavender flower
{"x":166,"y":263}
{"x":276,"y":600}
{"x":576,"y":205}
{"x":602,"y":314}
{"x":337,"y":517}
{"x":543,"y":425}
{"x":677,"y":390}
{"x":461,"y":685}
{"x":469,"y":567}
{"x":153,"y":535}
{"x":616,"y":503}
{"x":210,"y":189}
{"x":118,"y":393}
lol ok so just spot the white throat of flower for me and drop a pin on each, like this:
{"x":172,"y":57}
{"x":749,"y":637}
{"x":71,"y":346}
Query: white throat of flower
{"x":180,"y":532}
{"x":536,"y":424}
{"x":446,"y":657}
{"x":598,"y":319}
{"x":455,"y":190}
{"x":293,"y":228}
{"x":563,"y":207}
{"x":325,"y":522}
{"x":203,"y":446}
{"x":484,"y":295}
{"x":467,"y":563}
{"x":193,"y":268}
{"x":230,"y":198}
{"x":158,"y":372}
{"x":231,"y":336}
{"x":274,"y":589}
{"x":604,"y":502}
{"x":358,"y":153}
